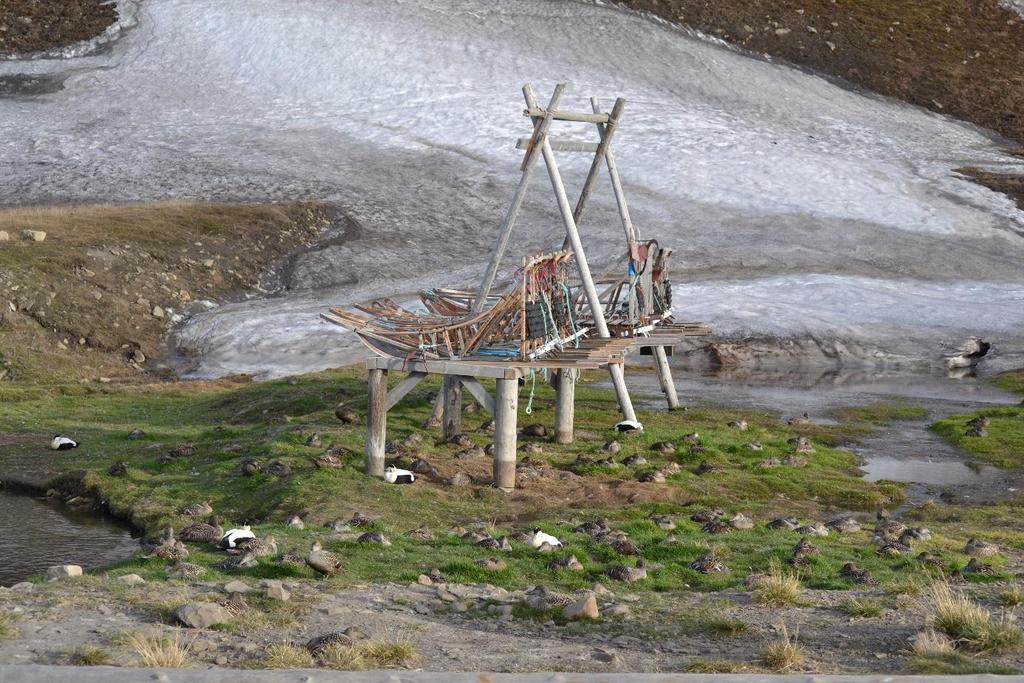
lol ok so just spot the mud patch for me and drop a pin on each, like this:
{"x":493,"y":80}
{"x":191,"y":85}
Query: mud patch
{"x":28,"y":85}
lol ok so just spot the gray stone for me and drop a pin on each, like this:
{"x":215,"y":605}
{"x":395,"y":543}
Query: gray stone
{"x":63,"y":571}
{"x":33,"y":235}
{"x":24,"y":587}
{"x":586,"y":608}
{"x":131,"y":580}
{"x":276,"y":591}
{"x":202,"y":615}
{"x":158,"y":312}
{"x":236,"y":586}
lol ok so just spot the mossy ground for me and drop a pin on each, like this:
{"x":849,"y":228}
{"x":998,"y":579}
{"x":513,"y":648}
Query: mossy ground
{"x":229,"y":421}
{"x":1004,"y":444}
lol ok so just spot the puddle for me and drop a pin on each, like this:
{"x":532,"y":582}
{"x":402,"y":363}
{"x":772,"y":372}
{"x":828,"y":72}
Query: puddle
{"x":906,"y":452}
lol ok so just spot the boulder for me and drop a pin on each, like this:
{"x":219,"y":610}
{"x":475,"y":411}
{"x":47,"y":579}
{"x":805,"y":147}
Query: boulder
{"x":158,"y":312}
{"x":4,"y":236}
{"x":63,"y":571}
{"x":33,"y":235}
{"x":586,"y":608}
{"x":131,"y":580}
{"x":202,"y":615}
{"x":236,"y":586}
{"x":275,"y":590}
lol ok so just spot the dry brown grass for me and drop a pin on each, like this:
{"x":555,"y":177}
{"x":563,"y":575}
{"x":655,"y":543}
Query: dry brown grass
{"x":287,"y":656}
{"x":778,"y":588}
{"x":783,"y":654}
{"x":371,"y":654}
{"x":969,"y":625}
{"x":159,"y":651}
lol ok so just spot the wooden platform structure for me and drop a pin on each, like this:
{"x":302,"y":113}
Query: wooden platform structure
{"x":463,"y":329}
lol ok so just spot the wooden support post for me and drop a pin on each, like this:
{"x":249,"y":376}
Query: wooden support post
{"x":376,"y":421}
{"x":506,"y":409}
{"x":565,"y":395}
{"x":451,"y":389}
{"x":476,"y":390}
{"x":620,"y":195}
{"x":665,"y":377}
{"x":540,"y":131}
{"x":593,"y":299}
{"x":404,"y":387}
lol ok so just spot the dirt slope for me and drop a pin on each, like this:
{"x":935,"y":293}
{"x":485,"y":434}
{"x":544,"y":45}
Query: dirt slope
{"x":97,"y":295}
{"x":33,"y":25}
{"x":959,"y":57}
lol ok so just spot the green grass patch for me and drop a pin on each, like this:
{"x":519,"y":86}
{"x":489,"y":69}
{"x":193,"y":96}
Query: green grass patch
{"x":955,"y":664}
{"x":1003,"y":446}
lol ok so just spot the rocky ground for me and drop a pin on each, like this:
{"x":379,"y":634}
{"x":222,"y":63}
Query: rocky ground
{"x":454,"y":626}
{"x":34,"y":25}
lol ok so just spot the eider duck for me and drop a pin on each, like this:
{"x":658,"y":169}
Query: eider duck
{"x":323,"y":561}
{"x":202,"y":532}
{"x":231,"y":538}
{"x":62,"y":443}
{"x":257,"y":547}
{"x":629,"y":426}
{"x":394,"y":475}
{"x":539,"y":538}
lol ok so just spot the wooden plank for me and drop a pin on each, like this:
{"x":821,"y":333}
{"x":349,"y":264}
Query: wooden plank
{"x":506,"y":407}
{"x":376,"y":421}
{"x":565,"y":398}
{"x":579,"y":116}
{"x":477,"y":391}
{"x":668,"y":385}
{"x":447,"y":367}
{"x":618,"y":378}
{"x":403,"y":388}
{"x":562,"y":145}
{"x":451,"y":422}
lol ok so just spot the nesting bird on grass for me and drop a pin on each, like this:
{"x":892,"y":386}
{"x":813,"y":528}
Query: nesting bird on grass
{"x":231,"y":538}
{"x":538,"y":538}
{"x":257,"y":547}
{"x":627,"y":574}
{"x":394,"y":475}
{"x":62,"y":443}
{"x":323,"y":561}
{"x":202,"y":532}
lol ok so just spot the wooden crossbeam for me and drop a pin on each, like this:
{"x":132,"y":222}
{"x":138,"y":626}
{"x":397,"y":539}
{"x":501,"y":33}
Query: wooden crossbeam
{"x":403,"y":388}
{"x":477,"y":391}
{"x":536,"y":112}
{"x":561,"y":145}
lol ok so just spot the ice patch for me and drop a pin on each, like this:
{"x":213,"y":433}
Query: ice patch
{"x":405,"y":114}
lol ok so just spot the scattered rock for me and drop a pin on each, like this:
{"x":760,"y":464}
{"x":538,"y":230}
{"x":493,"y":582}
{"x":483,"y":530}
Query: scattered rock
{"x":5,"y":236}
{"x":202,"y":615}
{"x":33,"y":235}
{"x":275,"y":590}
{"x":158,"y":312}
{"x":236,"y":586}
{"x":612,"y":447}
{"x":424,"y":580}
{"x":131,"y":580}
{"x":63,"y":571}
{"x":586,"y":608}
{"x":24,"y":587}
